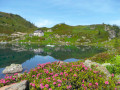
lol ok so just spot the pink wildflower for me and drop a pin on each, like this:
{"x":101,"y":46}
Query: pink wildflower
{"x":65,"y":66}
{"x":66,"y":74}
{"x":94,"y":71}
{"x":59,"y":81}
{"x":61,"y":73}
{"x":59,"y":85}
{"x":50,"y":88}
{"x":96,"y":83}
{"x":90,"y":84}
{"x":81,"y":70}
{"x":56,"y":75}
{"x":47,"y":72}
{"x":33,"y":75}
{"x":33,"y":85}
{"x":51,"y":73}
{"x":77,"y":70}
{"x":83,"y":85}
{"x":75,"y":75}
{"x":41,"y":86}
{"x":112,"y":75}
{"x":38,"y":67}
{"x":48,"y":80}
{"x":13,"y":78}
{"x":86,"y":68}
{"x":68,"y":87}
{"x":46,"y":85}
{"x":28,"y":72}
{"x":54,"y":83}
{"x":53,"y":78}
{"x":106,"y":82}
{"x":85,"y":88}
{"x":16,"y":74}
{"x":83,"y":81}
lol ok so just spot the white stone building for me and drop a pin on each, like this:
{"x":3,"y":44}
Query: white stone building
{"x":38,"y":33}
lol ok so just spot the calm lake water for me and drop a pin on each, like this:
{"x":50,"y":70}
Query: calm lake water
{"x":31,"y":55}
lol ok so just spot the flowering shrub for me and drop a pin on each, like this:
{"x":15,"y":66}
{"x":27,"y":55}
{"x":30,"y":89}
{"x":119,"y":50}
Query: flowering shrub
{"x":63,"y":76}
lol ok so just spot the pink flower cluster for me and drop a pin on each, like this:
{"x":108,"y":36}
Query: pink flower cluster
{"x":69,"y":75}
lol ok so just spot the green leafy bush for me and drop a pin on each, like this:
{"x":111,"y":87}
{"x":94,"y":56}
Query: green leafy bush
{"x":63,"y":76}
{"x":102,"y":57}
{"x":115,"y":68}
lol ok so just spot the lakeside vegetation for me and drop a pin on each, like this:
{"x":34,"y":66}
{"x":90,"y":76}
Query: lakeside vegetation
{"x":61,"y":76}
{"x":63,"y":34}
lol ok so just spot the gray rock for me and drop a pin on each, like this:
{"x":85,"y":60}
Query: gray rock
{"x":112,"y":34}
{"x":13,"y":68}
{"x":100,"y":67}
{"x":24,"y":85}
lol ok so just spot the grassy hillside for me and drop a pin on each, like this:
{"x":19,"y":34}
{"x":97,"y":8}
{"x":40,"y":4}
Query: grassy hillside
{"x":10,"y":23}
{"x":63,"y":33}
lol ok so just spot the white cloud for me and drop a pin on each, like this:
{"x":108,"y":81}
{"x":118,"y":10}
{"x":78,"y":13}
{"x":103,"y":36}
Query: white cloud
{"x":43,"y":23}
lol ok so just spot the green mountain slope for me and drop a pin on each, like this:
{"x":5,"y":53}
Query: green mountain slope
{"x":58,"y":34}
{"x":81,"y":34}
{"x":10,"y":23}
{"x":75,"y":34}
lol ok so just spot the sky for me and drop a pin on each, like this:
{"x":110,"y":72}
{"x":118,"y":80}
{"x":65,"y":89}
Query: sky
{"x":47,"y":13}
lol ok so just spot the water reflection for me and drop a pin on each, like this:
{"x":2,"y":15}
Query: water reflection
{"x":30,"y":55}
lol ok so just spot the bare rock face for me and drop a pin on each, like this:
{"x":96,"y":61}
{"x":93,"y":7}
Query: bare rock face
{"x":100,"y":67}
{"x":23,"y":85}
{"x":112,"y":34}
{"x":13,"y":68}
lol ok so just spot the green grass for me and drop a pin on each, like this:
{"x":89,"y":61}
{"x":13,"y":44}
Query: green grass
{"x":10,"y":23}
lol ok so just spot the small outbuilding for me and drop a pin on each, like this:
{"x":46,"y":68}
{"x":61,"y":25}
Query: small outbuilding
{"x":38,"y":33}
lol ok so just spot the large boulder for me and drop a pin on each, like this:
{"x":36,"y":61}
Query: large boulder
{"x":13,"y":68}
{"x":112,"y":34}
{"x":100,"y":67}
{"x":23,"y":85}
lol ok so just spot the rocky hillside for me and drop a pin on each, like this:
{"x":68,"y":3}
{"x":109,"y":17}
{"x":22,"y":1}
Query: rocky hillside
{"x":10,"y":23}
{"x":79,"y":34}
{"x":14,"y":27}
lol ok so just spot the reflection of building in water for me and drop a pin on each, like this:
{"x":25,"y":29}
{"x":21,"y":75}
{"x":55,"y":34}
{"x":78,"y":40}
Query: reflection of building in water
{"x":38,"y":51}
{"x":57,"y":48}
{"x":18,"y":49}
{"x":49,"y":53}
{"x":83,"y":49}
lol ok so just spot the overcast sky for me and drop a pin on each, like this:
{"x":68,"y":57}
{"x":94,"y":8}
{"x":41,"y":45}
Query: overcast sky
{"x":73,"y":12}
